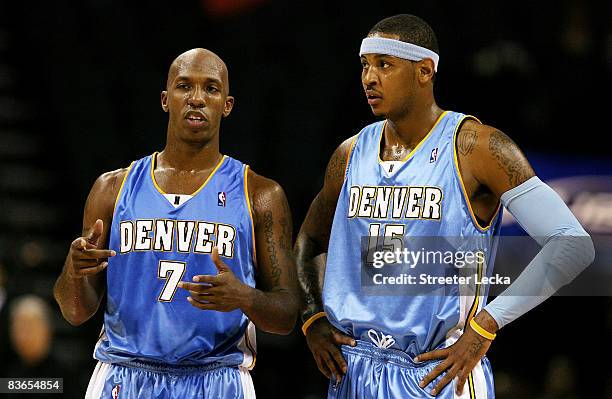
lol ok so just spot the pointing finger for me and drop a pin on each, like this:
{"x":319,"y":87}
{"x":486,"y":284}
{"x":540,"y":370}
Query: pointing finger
{"x":195,"y":288}
{"x":205,"y":278}
{"x":98,"y":253}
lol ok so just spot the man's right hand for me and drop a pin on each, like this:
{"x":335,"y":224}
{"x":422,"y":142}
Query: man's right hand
{"x":324,"y":340}
{"x":84,"y":257}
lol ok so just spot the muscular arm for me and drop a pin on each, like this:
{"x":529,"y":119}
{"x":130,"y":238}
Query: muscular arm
{"x":273,"y":305}
{"x":79,"y":294}
{"x":494,"y":164}
{"x":491,"y":164}
{"x":313,"y":237}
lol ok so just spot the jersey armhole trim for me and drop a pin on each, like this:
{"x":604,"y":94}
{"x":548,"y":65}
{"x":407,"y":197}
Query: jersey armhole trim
{"x":348,"y":155}
{"x":250,"y":209}
{"x":121,"y":187}
{"x":466,"y":198}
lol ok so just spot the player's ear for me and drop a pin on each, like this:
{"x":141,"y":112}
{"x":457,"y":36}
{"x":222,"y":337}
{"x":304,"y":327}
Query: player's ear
{"x":229,"y":105}
{"x":164,"y":100}
{"x":425,"y":70}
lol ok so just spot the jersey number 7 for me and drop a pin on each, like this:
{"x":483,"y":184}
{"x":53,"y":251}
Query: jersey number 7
{"x":173,"y":272}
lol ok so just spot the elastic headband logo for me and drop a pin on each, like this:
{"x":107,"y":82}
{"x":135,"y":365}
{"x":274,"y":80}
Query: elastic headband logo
{"x":397,"y":48}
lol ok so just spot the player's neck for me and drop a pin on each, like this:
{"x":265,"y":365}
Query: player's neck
{"x":181,"y":155}
{"x":411,"y":128}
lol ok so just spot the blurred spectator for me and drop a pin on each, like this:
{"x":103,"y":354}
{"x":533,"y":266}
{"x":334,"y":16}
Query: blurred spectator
{"x":31,"y":334}
{"x":511,"y":386}
{"x":576,"y":36}
{"x":32,"y":254}
{"x":560,"y":380}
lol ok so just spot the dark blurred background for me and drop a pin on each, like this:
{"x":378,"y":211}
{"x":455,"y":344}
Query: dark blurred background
{"x":79,"y":95}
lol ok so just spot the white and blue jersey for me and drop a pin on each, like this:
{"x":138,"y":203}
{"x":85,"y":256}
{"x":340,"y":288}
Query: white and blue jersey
{"x":147,"y":317}
{"x":154,"y":343}
{"x":148,"y":322}
{"x":422,"y":196}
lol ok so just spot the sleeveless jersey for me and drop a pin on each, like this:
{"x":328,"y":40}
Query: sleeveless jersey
{"x":147,"y":317}
{"x":423,"y":198}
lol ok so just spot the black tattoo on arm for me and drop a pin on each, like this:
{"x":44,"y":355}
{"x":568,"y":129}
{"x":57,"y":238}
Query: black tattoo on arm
{"x":309,"y":276}
{"x":275,"y":271}
{"x":336,"y":167}
{"x":466,"y":141}
{"x":311,"y":242}
{"x":509,"y":158}
{"x":313,"y":238}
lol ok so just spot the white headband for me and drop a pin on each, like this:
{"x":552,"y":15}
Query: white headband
{"x":396,"y":48}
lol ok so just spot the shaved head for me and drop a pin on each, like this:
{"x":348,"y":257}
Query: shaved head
{"x":199,"y":60}
{"x":196,"y":96}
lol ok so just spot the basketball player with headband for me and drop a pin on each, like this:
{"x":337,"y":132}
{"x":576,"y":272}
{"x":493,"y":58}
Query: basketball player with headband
{"x":422,"y":172}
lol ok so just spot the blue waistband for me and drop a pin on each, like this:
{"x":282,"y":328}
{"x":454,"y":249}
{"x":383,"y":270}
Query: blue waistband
{"x":394,"y":356}
{"x":175,"y":368}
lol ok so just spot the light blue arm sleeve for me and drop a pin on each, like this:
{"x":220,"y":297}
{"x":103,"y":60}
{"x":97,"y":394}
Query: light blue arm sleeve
{"x":567,"y":249}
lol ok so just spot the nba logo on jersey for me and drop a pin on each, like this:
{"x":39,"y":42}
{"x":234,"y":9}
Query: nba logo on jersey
{"x":434,"y":155}
{"x":221,"y":199}
{"x":115,"y":391}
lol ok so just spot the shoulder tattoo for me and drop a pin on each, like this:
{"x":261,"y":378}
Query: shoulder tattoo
{"x":336,"y":167}
{"x":466,"y":141}
{"x":509,"y":158}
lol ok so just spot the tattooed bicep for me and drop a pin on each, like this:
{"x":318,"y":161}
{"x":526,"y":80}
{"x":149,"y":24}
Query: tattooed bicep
{"x":273,"y":234}
{"x":509,"y":160}
{"x":336,"y":166}
{"x":336,"y":169}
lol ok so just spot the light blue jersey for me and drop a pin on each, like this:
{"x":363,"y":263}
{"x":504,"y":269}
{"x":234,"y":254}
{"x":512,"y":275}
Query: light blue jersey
{"x":421,"y":196}
{"x":148,"y":318}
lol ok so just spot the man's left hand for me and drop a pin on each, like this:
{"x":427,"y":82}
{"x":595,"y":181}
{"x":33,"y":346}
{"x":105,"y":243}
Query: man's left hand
{"x":459,"y":358}
{"x":223,"y":292}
